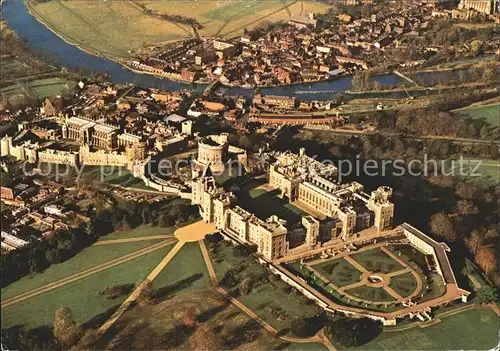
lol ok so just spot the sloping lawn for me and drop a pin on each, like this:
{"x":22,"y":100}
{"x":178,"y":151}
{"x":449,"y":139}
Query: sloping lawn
{"x":475,"y":329}
{"x":186,"y":272}
{"x":143,"y":230}
{"x":82,"y":296}
{"x":90,"y":257}
{"x":273,"y":301}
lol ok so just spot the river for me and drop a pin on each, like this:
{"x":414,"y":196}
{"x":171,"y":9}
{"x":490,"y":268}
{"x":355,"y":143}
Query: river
{"x":38,"y":36}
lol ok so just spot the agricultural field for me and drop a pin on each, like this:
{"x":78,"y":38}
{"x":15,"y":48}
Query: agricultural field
{"x":114,"y":28}
{"x":474,"y":329}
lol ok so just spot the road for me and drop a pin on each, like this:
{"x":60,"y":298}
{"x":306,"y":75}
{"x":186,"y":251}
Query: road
{"x":131,"y":240}
{"x":86,"y":273}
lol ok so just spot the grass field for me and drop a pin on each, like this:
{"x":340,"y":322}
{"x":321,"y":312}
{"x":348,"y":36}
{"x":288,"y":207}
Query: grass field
{"x":81,"y":296}
{"x":186,"y":272}
{"x":265,"y":203}
{"x":142,"y":230}
{"x":404,"y":284}
{"x":88,"y":258}
{"x":339,"y":272}
{"x":115,"y":27}
{"x":264,"y":295}
{"x":40,"y":88}
{"x":475,"y":329}
{"x":490,"y":113}
{"x":113,"y":175}
{"x":51,"y":87}
{"x":487,"y":172}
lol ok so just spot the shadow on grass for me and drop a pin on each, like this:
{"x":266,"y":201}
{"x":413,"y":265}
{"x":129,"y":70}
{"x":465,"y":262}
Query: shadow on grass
{"x":268,"y":204}
{"x":208,"y":314}
{"x":243,"y":334}
{"x":98,"y":320}
{"x":171,"y":289}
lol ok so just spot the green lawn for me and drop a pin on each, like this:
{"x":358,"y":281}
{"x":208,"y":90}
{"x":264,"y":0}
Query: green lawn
{"x":475,"y":329}
{"x":48,"y":87}
{"x":490,"y":113}
{"x":186,"y":272}
{"x":265,"y":203}
{"x":409,"y":254}
{"x":88,"y":258}
{"x":403,"y":284}
{"x":485,"y":171}
{"x":264,"y":295}
{"x":371,"y":294}
{"x":339,"y":272}
{"x":376,"y":261}
{"x":142,"y":230}
{"x":82,"y":296}
{"x":309,"y":346}
{"x":40,"y":88}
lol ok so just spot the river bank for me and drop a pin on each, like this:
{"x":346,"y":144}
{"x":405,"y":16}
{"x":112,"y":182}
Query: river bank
{"x":40,"y":37}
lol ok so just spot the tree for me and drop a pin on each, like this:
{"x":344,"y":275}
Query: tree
{"x":485,"y":257}
{"x":486,"y":294}
{"x":475,"y":47}
{"x":466,"y":190}
{"x":52,"y":255}
{"x":245,"y":286}
{"x":441,"y":225}
{"x":484,"y":132}
{"x":354,"y":332}
{"x":89,"y":230}
{"x":306,"y":327}
{"x":125,"y":225}
{"x":65,"y":328}
{"x":146,"y":215}
{"x":467,"y":207}
{"x":474,"y":241}
{"x":146,"y":293}
{"x":162,"y":221}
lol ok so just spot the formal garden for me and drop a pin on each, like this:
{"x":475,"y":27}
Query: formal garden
{"x":374,"y":278}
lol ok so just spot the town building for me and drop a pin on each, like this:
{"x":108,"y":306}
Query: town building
{"x":488,"y":7}
{"x":97,"y":134}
